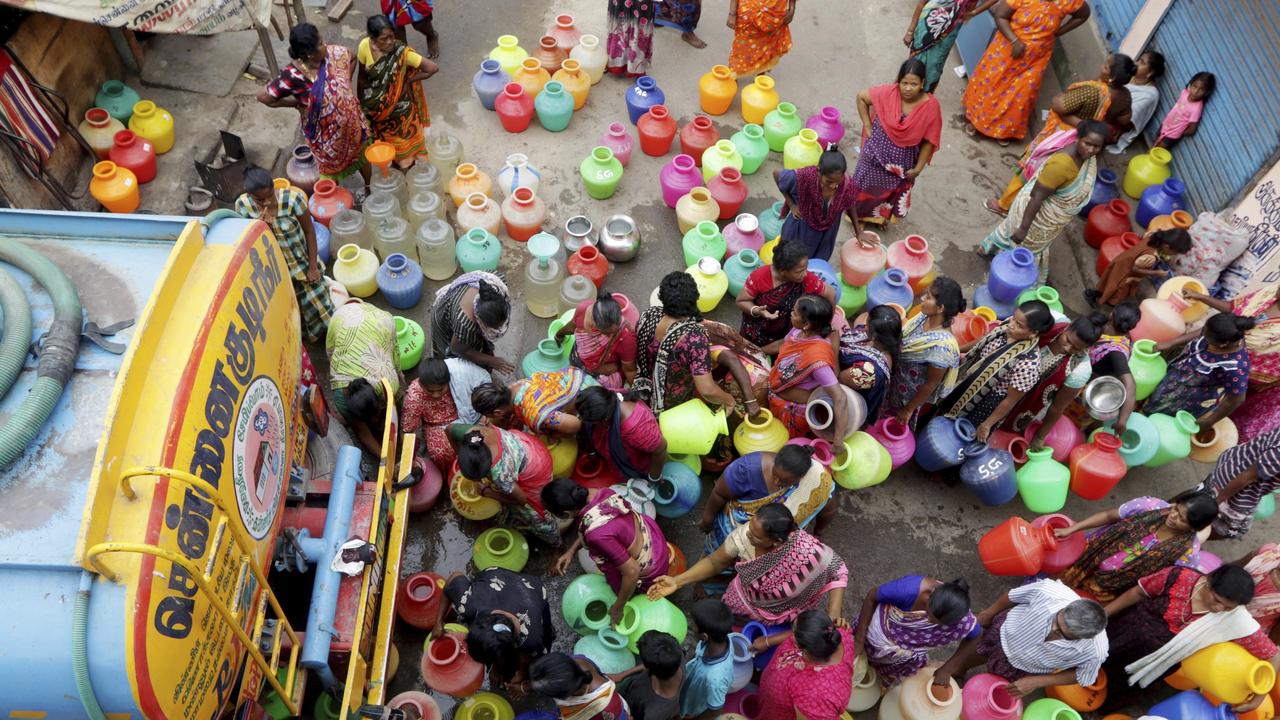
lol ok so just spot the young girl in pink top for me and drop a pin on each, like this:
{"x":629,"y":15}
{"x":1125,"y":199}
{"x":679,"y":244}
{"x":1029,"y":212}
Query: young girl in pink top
{"x":1184,"y":118}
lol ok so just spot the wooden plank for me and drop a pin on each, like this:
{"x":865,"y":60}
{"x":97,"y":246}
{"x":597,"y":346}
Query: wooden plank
{"x":337,"y":9}
{"x":1144,"y":26}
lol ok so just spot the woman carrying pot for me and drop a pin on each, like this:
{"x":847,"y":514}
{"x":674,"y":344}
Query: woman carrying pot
{"x":623,"y":431}
{"x":512,"y":468}
{"x":1138,"y":538}
{"x":806,"y":361}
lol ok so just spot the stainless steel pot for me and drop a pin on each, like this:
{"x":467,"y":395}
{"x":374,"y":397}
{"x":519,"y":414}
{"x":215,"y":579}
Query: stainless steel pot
{"x":620,"y":238}
{"x":578,"y":231}
{"x":1103,"y":398}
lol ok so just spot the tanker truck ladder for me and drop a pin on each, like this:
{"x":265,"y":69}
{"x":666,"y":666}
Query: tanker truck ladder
{"x":229,"y":538}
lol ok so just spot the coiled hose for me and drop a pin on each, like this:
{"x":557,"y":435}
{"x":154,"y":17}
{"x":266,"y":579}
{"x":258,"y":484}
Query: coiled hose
{"x":57,"y":355}
{"x":17,"y":330}
{"x":80,"y":649}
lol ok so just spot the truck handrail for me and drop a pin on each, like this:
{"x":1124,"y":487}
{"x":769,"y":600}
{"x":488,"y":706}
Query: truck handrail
{"x":201,"y":577}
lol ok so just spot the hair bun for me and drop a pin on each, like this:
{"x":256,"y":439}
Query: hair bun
{"x":960,"y":584}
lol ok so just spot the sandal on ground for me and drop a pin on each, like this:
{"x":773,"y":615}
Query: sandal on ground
{"x":993,"y":206}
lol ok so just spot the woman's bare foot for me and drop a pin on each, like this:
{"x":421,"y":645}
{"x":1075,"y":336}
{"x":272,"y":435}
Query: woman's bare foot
{"x":692,"y":38}
{"x":433,"y":45}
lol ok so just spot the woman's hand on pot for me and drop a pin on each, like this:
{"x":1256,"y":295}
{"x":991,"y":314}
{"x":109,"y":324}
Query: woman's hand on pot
{"x":903,"y":416}
{"x":1036,"y":444}
{"x":615,"y":615}
{"x":982,"y":433}
{"x":662,"y":587}
{"x":760,"y":645}
{"x":1064,"y":532}
{"x":1021,"y":687}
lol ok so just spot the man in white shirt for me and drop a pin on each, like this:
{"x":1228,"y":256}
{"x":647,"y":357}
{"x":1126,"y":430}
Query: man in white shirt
{"x":1036,"y":635}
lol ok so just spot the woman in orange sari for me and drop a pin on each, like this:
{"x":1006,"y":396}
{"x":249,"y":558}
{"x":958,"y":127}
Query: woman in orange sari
{"x":1003,"y":88}
{"x":761,"y":34}
{"x":390,"y":84}
{"x":806,"y":361}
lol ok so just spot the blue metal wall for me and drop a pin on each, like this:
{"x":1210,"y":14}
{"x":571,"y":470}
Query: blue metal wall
{"x":1239,"y":42}
{"x":1114,"y":18}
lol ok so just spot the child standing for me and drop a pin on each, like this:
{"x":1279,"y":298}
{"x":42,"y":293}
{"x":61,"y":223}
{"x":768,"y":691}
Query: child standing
{"x":1184,"y":118}
{"x":653,"y":693}
{"x":708,"y":676}
{"x":429,"y":408}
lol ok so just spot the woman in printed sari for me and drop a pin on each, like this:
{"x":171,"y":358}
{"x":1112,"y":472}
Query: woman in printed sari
{"x":1260,"y":411}
{"x":902,"y":620}
{"x":761,"y":34}
{"x":623,"y":431}
{"x":390,"y":86}
{"x":1210,"y":377}
{"x":541,"y":403}
{"x":790,"y":476}
{"x":468,"y":316}
{"x":867,"y":356}
{"x":807,"y":361}
{"x":1003,"y":88}
{"x":1104,"y":100}
{"x":627,"y":546}
{"x":1054,"y":194}
{"x":929,"y":356}
{"x":604,"y":344}
{"x":318,"y":84}
{"x":933,"y":29}
{"x":738,"y":366}
{"x":1064,"y":371}
{"x":579,"y":689}
{"x":673,"y":350}
{"x":771,"y":291}
{"x":781,"y":570}
{"x":1002,"y":367}
{"x":1169,"y":615}
{"x":512,"y":468}
{"x":901,"y":130}
{"x":630,"y":39}
{"x":811,"y":674}
{"x":1142,"y":536}
{"x":813,"y":201}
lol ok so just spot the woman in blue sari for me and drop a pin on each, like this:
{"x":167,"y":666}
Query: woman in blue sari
{"x":790,"y":476}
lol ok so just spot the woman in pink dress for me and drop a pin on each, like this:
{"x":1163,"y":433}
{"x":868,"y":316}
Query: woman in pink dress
{"x":811,"y":674}
{"x":623,"y":431}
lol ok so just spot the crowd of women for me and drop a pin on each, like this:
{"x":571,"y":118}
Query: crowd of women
{"x":1140,"y":597}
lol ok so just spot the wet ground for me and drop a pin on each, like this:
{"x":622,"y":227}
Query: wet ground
{"x":910,"y":524}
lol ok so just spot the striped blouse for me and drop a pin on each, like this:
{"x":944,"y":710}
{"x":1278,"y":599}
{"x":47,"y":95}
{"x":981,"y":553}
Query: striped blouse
{"x":1022,"y":636}
{"x":1263,"y":453}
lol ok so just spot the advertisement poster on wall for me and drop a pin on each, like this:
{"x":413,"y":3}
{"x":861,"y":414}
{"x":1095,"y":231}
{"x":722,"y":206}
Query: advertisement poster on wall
{"x":194,"y":17}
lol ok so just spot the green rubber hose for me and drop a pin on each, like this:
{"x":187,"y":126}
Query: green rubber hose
{"x":17,"y":330}
{"x":80,"y":649}
{"x":57,"y":354}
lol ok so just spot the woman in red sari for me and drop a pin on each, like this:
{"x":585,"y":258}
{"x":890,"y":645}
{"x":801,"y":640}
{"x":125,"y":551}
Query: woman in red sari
{"x":1064,"y":371}
{"x":318,"y":84}
{"x":901,"y":129}
{"x":806,"y":361}
{"x":771,"y":291}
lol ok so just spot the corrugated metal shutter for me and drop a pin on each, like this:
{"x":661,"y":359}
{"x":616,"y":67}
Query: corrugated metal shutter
{"x":1239,"y":42}
{"x":1114,"y":18}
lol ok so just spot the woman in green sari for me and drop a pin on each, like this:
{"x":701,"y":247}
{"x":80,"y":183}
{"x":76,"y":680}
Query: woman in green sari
{"x":933,"y":30}
{"x":390,"y":87}
{"x":1058,"y":189}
